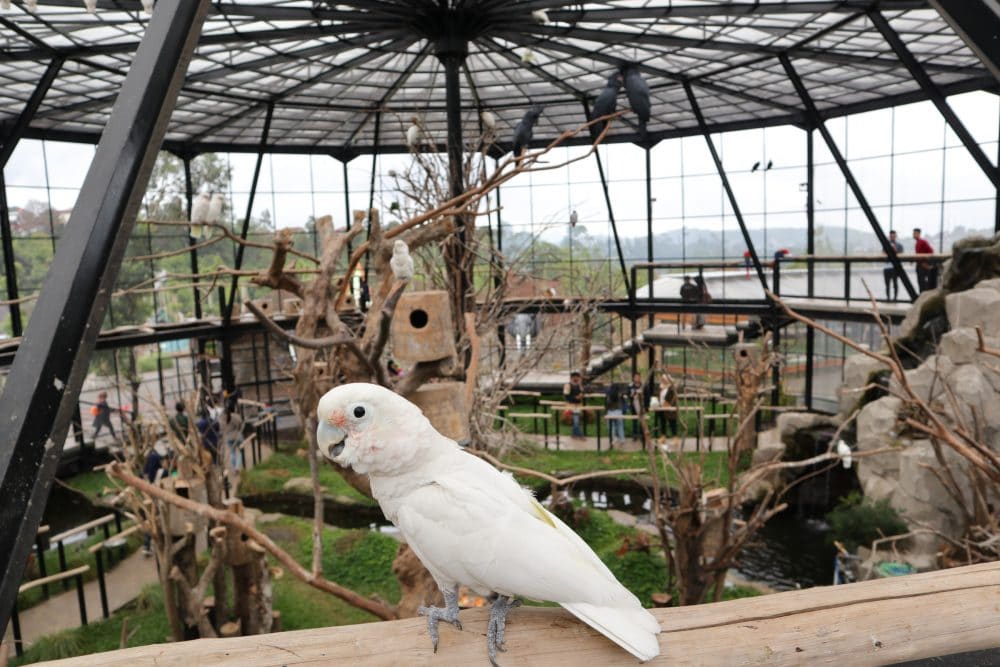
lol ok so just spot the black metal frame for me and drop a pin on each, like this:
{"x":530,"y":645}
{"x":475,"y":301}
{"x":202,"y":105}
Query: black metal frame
{"x":859,"y":195}
{"x":44,"y":382}
{"x":696,"y":109}
{"x":934,"y":95}
{"x":977,"y":24}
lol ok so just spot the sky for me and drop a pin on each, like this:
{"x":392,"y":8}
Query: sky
{"x":931,"y":181}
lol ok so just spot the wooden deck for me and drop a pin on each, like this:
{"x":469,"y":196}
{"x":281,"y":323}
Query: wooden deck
{"x":871,"y":623}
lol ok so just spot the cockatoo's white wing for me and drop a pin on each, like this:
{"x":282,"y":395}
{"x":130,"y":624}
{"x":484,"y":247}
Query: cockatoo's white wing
{"x":476,"y":526}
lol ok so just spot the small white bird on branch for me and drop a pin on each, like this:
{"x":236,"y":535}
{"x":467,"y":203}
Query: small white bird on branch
{"x":541,"y":16}
{"x":472,"y":525}
{"x":489,"y":120}
{"x":414,"y":134}
{"x":401,"y":262}
{"x":844,"y":452}
{"x":214,"y":215}
{"x":199,"y":214}
{"x":4,"y":4}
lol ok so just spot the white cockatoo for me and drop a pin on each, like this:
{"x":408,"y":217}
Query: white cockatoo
{"x":472,"y":525}
{"x":4,"y":4}
{"x":147,"y":6}
{"x":844,"y":452}
{"x":215,"y":206}
{"x":489,"y":120}
{"x":541,"y":16}
{"x":90,"y":5}
{"x":413,"y":134}
{"x":401,"y":262}
{"x":199,"y":214}
{"x":31,"y":5}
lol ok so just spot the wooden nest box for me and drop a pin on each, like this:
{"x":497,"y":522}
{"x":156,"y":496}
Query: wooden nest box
{"x":422,"y":328}
{"x":443,"y":403}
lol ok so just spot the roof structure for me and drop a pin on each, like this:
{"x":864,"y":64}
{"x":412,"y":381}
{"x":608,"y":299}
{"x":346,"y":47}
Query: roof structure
{"x":346,"y":78}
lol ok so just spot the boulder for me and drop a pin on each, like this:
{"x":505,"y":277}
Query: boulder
{"x":877,"y":487}
{"x":927,"y":379}
{"x":959,"y":345}
{"x":909,"y":323}
{"x":791,"y":422}
{"x":858,"y":368}
{"x":979,"y":306}
{"x":992,"y":283}
{"x":973,"y":260}
{"x":921,"y":498}
{"x":300,"y":485}
{"x":978,"y":404}
{"x":876,"y":426}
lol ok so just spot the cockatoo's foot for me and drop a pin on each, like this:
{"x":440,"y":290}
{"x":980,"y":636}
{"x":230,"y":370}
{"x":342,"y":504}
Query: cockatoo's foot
{"x":498,"y":625}
{"x":448,"y":614}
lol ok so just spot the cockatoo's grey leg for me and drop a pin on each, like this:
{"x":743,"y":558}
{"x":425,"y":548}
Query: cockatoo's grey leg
{"x":498,"y":625}
{"x":448,"y":614}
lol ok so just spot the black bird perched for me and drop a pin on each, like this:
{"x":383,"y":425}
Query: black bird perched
{"x":755,"y":167}
{"x":769,"y":165}
{"x":638,"y":95}
{"x":608,"y":98}
{"x":522,"y":133}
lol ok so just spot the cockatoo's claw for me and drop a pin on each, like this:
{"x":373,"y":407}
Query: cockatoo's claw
{"x":448,"y":614}
{"x":498,"y":626}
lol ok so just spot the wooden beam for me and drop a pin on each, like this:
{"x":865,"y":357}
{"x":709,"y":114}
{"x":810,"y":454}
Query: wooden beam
{"x":870,"y":623}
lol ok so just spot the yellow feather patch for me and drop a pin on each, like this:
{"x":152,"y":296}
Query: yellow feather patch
{"x":542,"y":514}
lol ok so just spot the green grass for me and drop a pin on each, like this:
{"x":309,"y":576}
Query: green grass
{"x":358,"y":559}
{"x":94,"y":484}
{"x":565,"y":463}
{"x":270,"y":475}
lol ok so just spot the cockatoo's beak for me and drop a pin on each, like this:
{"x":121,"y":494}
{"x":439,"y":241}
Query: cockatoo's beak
{"x":330,"y":439}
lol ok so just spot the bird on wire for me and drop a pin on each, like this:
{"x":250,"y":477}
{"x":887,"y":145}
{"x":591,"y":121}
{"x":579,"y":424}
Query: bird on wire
{"x":755,"y":167}
{"x":769,"y":165}
{"x":607,"y":99}
{"x":524,"y":129}
{"x":472,"y":525}
{"x":637,"y":91}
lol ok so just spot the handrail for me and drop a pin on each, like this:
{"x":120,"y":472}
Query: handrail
{"x":82,"y":528}
{"x":68,"y":574}
{"x":94,"y":548}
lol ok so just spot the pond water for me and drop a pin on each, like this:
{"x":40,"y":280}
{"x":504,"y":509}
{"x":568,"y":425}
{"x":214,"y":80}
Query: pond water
{"x":67,"y":509}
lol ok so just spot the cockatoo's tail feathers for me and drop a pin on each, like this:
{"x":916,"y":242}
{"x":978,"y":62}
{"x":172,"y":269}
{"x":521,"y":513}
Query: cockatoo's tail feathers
{"x":634,"y":629}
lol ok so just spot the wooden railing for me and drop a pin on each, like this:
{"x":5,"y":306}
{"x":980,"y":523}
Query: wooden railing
{"x":870,"y":623}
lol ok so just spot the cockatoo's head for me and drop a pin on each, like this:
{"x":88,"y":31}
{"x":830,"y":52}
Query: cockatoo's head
{"x":370,"y":429}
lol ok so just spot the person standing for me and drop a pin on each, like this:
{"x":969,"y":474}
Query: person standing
{"x":668,"y":406}
{"x":636,"y":392}
{"x":573,"y":394}
{"x":615,"y":397}
{"x":102,"y":415}
{"x":889,"y":270}
{"x":179,"y":423}
{"x":926,"y":270}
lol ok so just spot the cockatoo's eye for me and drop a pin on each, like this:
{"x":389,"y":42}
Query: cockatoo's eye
{"x":359,"y":411}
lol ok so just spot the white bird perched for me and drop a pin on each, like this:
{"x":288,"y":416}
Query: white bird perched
{"x":147,"y":6}
{"x":472,"y":525}
{"x":844,"y":452}
{"x":527,"y":56}
{"x":91,"y":5}
{"x":489,"y":120}
{"x":413,"y":134}
{"x":401,"y":262}
{"x":199,"y":214}
{"x":540,"y":16}
{"x":31,"y":5}
{"x":214,"y":214}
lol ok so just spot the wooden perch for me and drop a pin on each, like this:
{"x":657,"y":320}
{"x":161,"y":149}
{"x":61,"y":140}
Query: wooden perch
{"x":870,"y":623}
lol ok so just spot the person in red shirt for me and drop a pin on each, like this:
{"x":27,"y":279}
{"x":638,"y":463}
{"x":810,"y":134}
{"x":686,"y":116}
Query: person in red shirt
{"x":926,"y":269}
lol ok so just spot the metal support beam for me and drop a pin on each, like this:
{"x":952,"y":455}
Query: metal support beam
{"x":817,"y":122}
{"x":977,"y":22}
{"x":227,"y":314}
{"x":725,"y":184}
{"x":629,"y":287}
{"x":935,"y":96}
{"x":28,"y":112}
{"x":43,"y":387}
{"x":649,"y":239}
{"x":810,"y":214}
{"x":371,"y":195}
{"x":10,"y":268}
{"x":188,"y":198}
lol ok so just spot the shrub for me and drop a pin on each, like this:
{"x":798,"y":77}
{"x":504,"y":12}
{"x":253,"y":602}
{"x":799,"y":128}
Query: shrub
{"x":857,"y":521}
